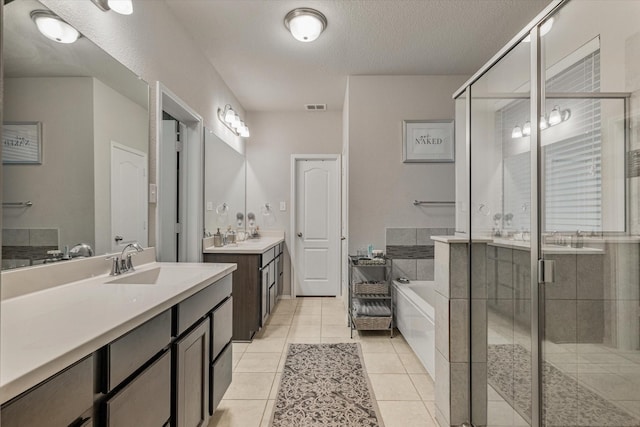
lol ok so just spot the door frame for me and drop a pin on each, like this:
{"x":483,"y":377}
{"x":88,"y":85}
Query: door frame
{"x":116,"y":145}
{"x":193,"y":150}
{"x":293,"y":242}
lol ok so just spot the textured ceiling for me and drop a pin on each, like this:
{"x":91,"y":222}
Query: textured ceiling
{"x":268,"y":70}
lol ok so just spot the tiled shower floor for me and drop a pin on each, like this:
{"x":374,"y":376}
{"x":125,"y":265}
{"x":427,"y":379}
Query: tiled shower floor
{"x":612,"y":374}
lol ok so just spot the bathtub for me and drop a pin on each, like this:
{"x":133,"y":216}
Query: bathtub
{"x":415,"y":318}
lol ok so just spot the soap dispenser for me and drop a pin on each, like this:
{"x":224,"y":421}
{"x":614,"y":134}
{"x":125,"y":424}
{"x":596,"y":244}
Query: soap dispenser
{"x":217,"y":239}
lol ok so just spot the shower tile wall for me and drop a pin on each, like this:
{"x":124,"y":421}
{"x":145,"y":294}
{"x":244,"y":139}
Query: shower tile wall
{"x":25,"y":246}
{"x":412,"y":251}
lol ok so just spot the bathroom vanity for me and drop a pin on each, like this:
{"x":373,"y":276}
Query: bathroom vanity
{"x":257,"y":282}
{"x":151,"y":347}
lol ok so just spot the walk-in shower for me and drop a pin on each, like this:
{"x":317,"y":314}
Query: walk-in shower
{"x":548,"y":194}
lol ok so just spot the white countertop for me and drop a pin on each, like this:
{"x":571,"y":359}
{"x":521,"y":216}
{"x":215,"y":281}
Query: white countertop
{"x":251,"y":246}
{"x":43,"y":332}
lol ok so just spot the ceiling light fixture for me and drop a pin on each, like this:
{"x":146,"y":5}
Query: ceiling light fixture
{"x":232,"y":121}
{"x":123,"y":7}
{"x":544,"y":29}
{"x":305,"y":24}
{"x":53,"y":27}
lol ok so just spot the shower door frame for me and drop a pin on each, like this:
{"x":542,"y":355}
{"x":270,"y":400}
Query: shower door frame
{"x":537,"y":97}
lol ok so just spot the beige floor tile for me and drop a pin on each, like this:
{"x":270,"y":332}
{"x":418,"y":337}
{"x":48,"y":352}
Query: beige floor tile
{"x":340,"y":320}
{"x":259,"y":362}
{"x":303,"y":340}
{"x":306,"y":320}
{"x":255,"y":385}
{"x":240,"y":347}
{"x":284,"y":309}
{"x":268,"y":413}
{"x":280,"y":319}
{"x":401,"y":346}
{"x":405,"y":414}
{"x":235,"y":359}
{"x":411,"y":363}
{"x":304,"y":331}
{"x":424,"y":384}
{"x":383,"y":363}
{"x":309,"y":310}
{"x":393,"y":387}
{"x":267,"y":345}
{"x":273,"y":331}
{"x":276,"y":384}
{"x":431,"y":407}
{"x":376,"y":345}
{"x":335,"y":340}
{"x":335,"y":331}
{"x":333,"y":312}
{"x":238,"y":413}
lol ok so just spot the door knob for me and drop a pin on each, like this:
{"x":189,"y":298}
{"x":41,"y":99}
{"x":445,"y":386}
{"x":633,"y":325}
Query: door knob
{"x":118,"y":239}
{"x":299,"y":234}
{"x":343,"y":238}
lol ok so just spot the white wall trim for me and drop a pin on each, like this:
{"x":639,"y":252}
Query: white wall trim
{"x":193,"y":148}
{"x":292,"y":244}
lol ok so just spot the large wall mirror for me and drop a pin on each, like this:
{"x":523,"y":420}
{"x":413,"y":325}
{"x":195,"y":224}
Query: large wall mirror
{"x":224,"y":186}
{"x":88,"y":116}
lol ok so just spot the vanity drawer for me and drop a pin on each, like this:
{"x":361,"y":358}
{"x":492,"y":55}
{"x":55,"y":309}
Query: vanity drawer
{"x":145,"y":401}
{"x":59,"y":401}
{"x":222,"y":327}
{"x":197,"y":306}
{"x":268,"y":255}
{"x":129,"y":352}
{"x":220,"y":377}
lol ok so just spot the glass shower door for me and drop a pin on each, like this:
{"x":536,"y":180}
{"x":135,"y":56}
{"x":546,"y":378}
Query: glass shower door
{"x":590,"y":369}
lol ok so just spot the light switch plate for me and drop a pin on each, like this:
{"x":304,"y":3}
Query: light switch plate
{"x":153,"y":193}
{"x":283,"y":206}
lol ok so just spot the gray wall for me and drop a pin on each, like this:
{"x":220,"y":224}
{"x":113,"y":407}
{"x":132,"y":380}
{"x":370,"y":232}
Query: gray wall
{"x":381,"y":187}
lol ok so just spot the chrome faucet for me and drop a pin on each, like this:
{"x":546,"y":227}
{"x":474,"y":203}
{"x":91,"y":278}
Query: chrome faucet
{"x":120,"y":263}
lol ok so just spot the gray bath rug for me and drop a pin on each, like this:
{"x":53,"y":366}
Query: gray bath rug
{"x":566,"y":403}
{"x":325,"y":385}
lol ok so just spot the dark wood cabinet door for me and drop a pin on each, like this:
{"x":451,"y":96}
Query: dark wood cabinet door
{"x":192,"y":377}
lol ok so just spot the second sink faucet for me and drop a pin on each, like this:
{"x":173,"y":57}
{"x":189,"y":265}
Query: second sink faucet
{"x":122,"y":264}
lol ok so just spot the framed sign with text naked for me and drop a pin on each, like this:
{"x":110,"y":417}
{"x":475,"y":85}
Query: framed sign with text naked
{"x":22,"y":143}
{"x":427,"y":141}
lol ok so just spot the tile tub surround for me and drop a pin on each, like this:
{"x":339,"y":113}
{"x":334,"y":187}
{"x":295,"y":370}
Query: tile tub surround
{"x":452,"y":331}
{"x":70,"y":320}
{"x":412,"y":251}
{"x":28,"y":244}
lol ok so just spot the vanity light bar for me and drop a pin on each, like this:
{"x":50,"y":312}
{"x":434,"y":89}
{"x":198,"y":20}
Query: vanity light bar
{"x":232,"y":121}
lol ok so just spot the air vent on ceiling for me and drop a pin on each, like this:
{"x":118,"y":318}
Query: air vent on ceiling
{"x":315,"y":107}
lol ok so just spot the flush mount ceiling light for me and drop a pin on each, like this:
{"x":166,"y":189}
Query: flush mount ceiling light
{"x":53,"y":27}
{"x":123,"y":7}
{"x":544,"y":29}
{"x":305,"y":24}
{"x":232,"y":121}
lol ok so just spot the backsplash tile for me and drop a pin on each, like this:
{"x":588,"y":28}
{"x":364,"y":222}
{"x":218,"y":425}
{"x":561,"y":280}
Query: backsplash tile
{"x":409,"y":252}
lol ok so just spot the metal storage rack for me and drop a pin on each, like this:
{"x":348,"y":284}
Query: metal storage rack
{"x":370,"y":282}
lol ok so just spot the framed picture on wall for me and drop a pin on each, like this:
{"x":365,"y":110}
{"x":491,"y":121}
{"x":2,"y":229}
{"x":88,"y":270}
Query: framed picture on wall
{"x":22,"y":143}
{"x":427,"y":141}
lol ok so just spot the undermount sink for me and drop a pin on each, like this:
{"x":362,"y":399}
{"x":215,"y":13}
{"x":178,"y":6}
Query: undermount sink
{"x":147,"y":277}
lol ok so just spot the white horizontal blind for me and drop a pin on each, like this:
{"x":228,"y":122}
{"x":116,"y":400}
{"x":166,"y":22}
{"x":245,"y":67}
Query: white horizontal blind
{"x":572,"y":181}
{"x":572,"y":184}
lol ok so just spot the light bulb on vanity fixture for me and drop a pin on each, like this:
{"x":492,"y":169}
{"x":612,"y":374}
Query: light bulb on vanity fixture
{"x":232,"y":121}
{"x":123,"y":7}
{"x":516,"y":132}
{"x":556,"y":116}
{"x":526,"y":129}
{"x":305,"y":24}
{"x":53,"y":27}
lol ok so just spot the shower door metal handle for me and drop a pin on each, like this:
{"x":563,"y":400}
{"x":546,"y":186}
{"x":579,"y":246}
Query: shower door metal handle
{"x":546,"y":271}
{"x":299,"y":234}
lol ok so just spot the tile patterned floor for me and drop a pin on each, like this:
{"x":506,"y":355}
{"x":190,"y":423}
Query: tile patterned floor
{"x":404,"y":390}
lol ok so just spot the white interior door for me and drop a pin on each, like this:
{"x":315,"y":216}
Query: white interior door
{"x":317,"y":226}
{"x":128,"y":196}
